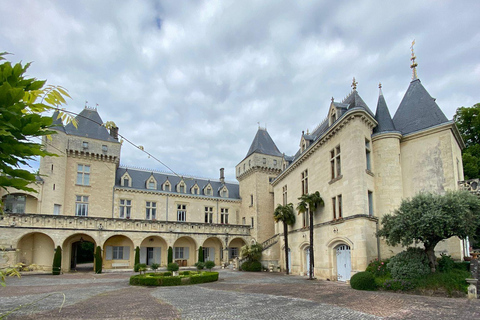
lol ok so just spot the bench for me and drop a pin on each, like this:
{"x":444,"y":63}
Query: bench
{"x":120,"y":264}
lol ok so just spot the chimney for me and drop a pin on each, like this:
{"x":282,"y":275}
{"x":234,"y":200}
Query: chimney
{"x":222,"y":175}
{"x":114,"y":132}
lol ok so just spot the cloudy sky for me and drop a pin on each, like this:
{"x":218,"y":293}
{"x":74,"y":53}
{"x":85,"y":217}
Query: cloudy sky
{"x":191,"y":80}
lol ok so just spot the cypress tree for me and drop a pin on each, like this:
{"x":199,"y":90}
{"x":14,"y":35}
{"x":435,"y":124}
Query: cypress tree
{"x":57,"y":261}
{"x":98,"y":260}
{"x":137,"y":259}
{"x":200,"y":255}
{"x":170,"y":255}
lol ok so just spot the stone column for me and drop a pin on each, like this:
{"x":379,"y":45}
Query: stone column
{"x":474,"y":270}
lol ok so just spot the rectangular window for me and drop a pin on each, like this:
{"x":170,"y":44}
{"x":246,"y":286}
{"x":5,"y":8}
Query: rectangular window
{"x":251,"y":200}
{"x":224,"y":193}
{"x":244,"y":221}
{"x":339,"y":200}
{"x":306,"y":219}
{"x":208,"y":214}
{"x":224,"y":215}
{"x":81,"y":206}
{"x":182,"y":212}
{"x":150,"y":210}
{"x":117,"y":253}
{"x":182,"y":188}
{"x":305,"y":182}
{"x":85,"y":145}
{"x":252,"y":222}
{"x":208,"y":192}
{"x":264,"y":160}
{"x":284,"y":195}
{"x":335,"y":162}
{"x":337,"y":207}
{"x":232,"y":253}
{"x":151,"y":185}
{"x":367,"y":153}
{"x":83,"y":174}
{"x":104,"y":148}
{"x":56,"y":209}
{"x":181,"y":253}
{"x":126,"y":182}
{"x":274,"y":163}
{"x":370,"y":203}
{"x":125,"y":208}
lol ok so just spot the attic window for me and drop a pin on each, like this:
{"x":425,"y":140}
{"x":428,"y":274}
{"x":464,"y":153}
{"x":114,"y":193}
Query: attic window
{"x":85,"y":145}
{"x":264,"y":160}
{"x":104,"y":148}
{"x":333,"y":117}
{"x":181,"y":188}
{"x":151,"y":184}
{"x":208,"y":191}
{"x":195,"y":190}
{"x":166,"y":186}
{"x":126,"y":182}
{"x":224,"y":193}
{"x":274,"y":163}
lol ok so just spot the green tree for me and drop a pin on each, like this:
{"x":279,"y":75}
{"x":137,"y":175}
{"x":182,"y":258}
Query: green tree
{"x":22,"y":101}
{"x":467,"y":120}
{"x":252,"y":252}
{"x":310,"y":203}
{"x":430,"y":218}
{"x":287,"y":216}
{"x":57,"y":261}
{"x":136,"y":266}
{"x":98,"y":260}
{"x":200,"y":254}
{"x":170,"y":255}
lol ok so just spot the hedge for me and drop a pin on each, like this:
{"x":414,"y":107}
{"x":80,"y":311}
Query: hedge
{"x":159,"y":279}
{"x":363,"y":281}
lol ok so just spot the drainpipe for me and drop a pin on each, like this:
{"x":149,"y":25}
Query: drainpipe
{"x":166,"y":217}
{"x":217,"y":211}
{"x":113,"y":201}
{"x":378,"y":243}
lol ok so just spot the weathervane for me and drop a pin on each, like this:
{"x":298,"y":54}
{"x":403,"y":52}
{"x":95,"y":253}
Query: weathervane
{"x":380,"y":85}
{"x":414,"y":64}
{"x":354,"y":84}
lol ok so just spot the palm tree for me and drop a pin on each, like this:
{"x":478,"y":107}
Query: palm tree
{"x":310,"y":203}
{"x":287,"y":216}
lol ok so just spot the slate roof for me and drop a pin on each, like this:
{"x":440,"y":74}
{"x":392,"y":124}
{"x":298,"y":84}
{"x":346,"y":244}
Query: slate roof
{"x":57,"y":123}
{"x":139,"y":178}
{"x":89,"y":125}
{"x":418,"y":110}
{"x":263,"y":143}
{"x":382,"y":115}
{"x":353,"y":100}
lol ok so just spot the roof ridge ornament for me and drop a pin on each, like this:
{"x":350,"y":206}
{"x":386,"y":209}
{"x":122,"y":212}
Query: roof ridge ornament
{"x":354,"y":84}
{"x":414,"y":64}
{"x":380,"y":88}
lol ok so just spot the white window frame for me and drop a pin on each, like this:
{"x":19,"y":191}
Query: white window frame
{"x":150,"y":210}
{"x":181,"y":212}
{"x":83,"y":174}
{"x":335,"y":162}
{"x":81,"y":206}
{"x":117,"y":253}
{"x":224,"y":215}
{"x":208,"y":214}
{"x":125,"y":209}
{"x":368,"y":155}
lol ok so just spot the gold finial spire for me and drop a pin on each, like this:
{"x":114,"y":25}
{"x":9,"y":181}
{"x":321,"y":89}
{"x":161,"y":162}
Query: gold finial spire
{"x":354,"y":84}
{"x":414,"y":64}
{"x":380,"y":85}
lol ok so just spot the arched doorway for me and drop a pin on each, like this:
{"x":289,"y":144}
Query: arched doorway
{"x":234,"y":248}
{"x":344,"y":265}
{"x":78,"y":252}
{"x":307,"y":261}
{"x":153,"y":249}
{"x":212,"y":248}
{"x":36,"y":248}
{"x":185,"y":251}
{"x":118,"y":252}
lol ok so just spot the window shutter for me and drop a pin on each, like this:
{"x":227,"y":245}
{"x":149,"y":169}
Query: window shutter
{"x":185,"y":255}
{"x":109,"y":253}
{"x":143,"y":254}
{"x":212,"y":254}
{"x":157,"y":254}
{"x":126,"y":253}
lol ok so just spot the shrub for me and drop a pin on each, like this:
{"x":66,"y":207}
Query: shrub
{"x":172,"y":267}
{"x":209,"y":265}
{"x":170,"y":255}
{"x":171,"y":281}
{"x":398,"y":285}
{"x":185,"y":273}
{"x":445,"y":263}
{"x":378,"y":267}
{"x":98,"y":260}
{"x":450,"y":281}
{"x":363,"y":281}
{"x":251,"y":266}
{"x":157,"y":279}
{"x":154,"y":266}
{"x":141,"y":267}
{"x":409,"y":264}
{"x":137,"y":259}
{"x":463,"y":265}
{"x":200,"y":255}
{"x":57,"y":261}
{"x":167,"y":274}
{"x":200,"y":265}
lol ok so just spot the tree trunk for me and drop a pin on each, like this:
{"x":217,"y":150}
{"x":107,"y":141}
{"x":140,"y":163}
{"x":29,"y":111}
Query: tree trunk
{"x":432,"y":260}
{"x":312,"y":264}
{"x":285,"y":236}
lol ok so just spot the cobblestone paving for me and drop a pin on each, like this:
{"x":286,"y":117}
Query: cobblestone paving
{"x":236,"y":295}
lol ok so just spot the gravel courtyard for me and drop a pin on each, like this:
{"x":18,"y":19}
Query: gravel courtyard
{"x":237,"y":295}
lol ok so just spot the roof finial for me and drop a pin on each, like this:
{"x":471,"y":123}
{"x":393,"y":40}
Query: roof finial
{"x":414,"y":64}
{"x":354,"y":84}
{"x":258,"y":122}
{"x":380,"y":88}
{"x":333,"y":99}
{"x":86,"y":104}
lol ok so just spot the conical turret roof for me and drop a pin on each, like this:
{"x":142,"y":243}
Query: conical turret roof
{"x":382,"y":115}
{"x":57,"y":123}
{"x":418,"y":110}
{"x":263,"y":143}
{"x":89,"y":125}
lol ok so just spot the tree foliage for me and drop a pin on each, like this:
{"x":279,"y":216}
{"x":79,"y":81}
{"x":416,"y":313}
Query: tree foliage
{"x":310,"y":203}
{"x":22,"y":101}
{"x":467,"y":120}
{"x":98,"y":260}
{"x":57,"y":261}
{"x":137,"y":259}
{"x":430,"y":218}
{"x":287,"y":216}
{"x":252,"y":252}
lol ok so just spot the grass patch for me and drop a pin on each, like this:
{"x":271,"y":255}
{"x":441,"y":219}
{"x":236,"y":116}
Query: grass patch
{"x":450,"y":281}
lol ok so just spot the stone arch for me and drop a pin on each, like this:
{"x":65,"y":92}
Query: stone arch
{"x":36,"y":248}
{"x":70,"y":248}
{"x":304,"y":256}
{"x":20,"y":202}
{"x":332,"y":246}
{"x":185,"y":251}
{"x":118,"y":252}
{"x":154,"y":249}
{"x":213,"y":250}
{"x":234,"y":247}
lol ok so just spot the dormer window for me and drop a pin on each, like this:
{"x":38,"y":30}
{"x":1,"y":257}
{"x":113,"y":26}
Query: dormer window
{"x":85,"y":145}
{"x":195,"y":190}
{"x":208,"y":191}
{"x":167,"y":186}
{"x":224,"y":192}
{"x":126,"y":180}
{"x":181,"y":187}
{"x":151,"y":183}
{"x":333,"y":116}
